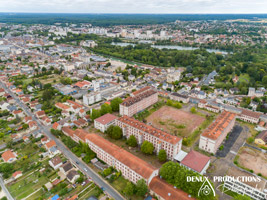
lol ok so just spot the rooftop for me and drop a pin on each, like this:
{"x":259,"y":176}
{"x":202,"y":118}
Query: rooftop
{"x":105,"y":119}
{"x":150,"y":130}
{"x":132,"y":100}
{"x":136,"y":164}
{"x":218,"y":126}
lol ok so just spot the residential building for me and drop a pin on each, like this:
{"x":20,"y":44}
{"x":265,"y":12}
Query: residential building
{"x":261,"y":139}
{"x":131,"y":167}
{"x":55,"y":162}
{"x":213,"y":136}
{"x":102,"y":123}
{"x":140,"y":100}
{"x":250,"y":116}
{"x":9,"y":156}
{"x":143,"y":132}
{"x":179,"y":97}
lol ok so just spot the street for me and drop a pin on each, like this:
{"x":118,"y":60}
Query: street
{"x":8,"y":195}
{"x":72,"y":157}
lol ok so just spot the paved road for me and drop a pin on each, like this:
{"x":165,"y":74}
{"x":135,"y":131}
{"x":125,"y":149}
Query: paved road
{"x":72,"y":157}
{"x":257,"y":148}
{"x":8,"y":195}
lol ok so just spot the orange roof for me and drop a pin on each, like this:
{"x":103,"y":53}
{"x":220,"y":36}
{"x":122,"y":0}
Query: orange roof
{"x":167,"y":191}
{"x":50,"y":144}
{"x":16,"y":173}
{"x":141,"y":90}
{"x":68,"y":131}
{"x":32,"y":123}
{"x":218,"y":126}
{"x":149,"y":129}
{"x":55,"y":125}
{"x":74,"y":103}
{"x":82,"y":83}
{"x":62,"y":106}
{"x":136,"y":164}
{"x":73,"y":197}
{"x":80,"y":133}
{"x":7,"y":155}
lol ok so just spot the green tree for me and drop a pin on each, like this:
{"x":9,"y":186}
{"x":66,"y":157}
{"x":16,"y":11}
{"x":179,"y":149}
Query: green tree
{"x":193,"y":110}
{"x":115,"y":104}
{"x":129,"y":189}
{"x":132,"y":142}
{"x":95,"y":114}
{"x":116,"y":133}
{"x":147,"y":147}
{"x":141,"y":187}
{"x":25,"y":126}
{"x":105,"y":108}
{"x":162,"y":155}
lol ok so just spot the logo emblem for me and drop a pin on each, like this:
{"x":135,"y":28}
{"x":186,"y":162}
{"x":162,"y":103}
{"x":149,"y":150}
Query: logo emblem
{"x":206,"y":188}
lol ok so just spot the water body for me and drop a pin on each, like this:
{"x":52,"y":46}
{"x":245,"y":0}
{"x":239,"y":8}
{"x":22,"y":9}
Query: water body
{"x":122,"y":44}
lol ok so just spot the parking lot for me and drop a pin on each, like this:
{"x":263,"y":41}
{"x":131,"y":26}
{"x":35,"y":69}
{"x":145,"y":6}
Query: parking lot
{"x":228,"y":143}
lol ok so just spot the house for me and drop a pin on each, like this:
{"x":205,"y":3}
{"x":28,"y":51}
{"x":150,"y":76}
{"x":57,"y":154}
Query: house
{"x":65,"y":168}
{"x":56,"y":126}
{"x":72,"y":176}
{"x":4,"y":105}
{"x":102,"y":123}
{"x":27,"y":119}
{"x":25,"y":139}
{"x":196,"y":161}
{"x":9,"y":156}
{"x":17,"y":174}
{"x":261,"y":139}
{"x":62,"y":106}
{"x":55,"y":162}
{"x":33,"y":125}
{"x":18,"y":113}
{"x":250,"y":116}
{"x":50,"y":144}
{"x":179,"y":97}
{"x":46,"y":121}
{"x":40,"y":114}
{"x":44,"y":140}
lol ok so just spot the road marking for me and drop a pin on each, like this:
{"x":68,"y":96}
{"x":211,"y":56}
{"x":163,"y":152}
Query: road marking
{"x":233,"y":152}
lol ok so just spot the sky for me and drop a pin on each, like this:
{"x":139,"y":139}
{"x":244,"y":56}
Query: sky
{"x":135,"y":6}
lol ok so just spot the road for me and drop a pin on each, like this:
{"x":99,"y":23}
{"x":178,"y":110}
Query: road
{"x":8,"y":195}
{"x":72,"y":157}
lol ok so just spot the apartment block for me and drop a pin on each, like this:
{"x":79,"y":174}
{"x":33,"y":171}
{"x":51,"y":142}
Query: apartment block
{"x":143,"y":132}
{"x":213,"y":136}
{"x":139,"y":101}
{"x":131,"y":167}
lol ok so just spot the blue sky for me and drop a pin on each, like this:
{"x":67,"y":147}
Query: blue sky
{"x":134,"y":6}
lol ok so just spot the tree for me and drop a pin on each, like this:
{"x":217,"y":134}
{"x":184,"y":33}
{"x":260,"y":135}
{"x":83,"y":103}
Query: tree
{"x":132,"y":142}
{"x":141,"y":187}
{"x":162,"y":155}
{"x":147,"y":147}
{"x":264,"y":81}
{"x":116,"y":133}
{"x":129,"y":189}
{"x":95,"y":114}
{"x":25,"y":126}
{"x":115,"y":104}
{"x":193,"y":110}
{"x":105,"y":108}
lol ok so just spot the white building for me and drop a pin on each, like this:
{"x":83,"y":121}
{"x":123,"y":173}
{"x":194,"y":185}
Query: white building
{"x":102,"y":123}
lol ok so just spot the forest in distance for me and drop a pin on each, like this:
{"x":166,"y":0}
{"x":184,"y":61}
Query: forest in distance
{"x":116,"y":19}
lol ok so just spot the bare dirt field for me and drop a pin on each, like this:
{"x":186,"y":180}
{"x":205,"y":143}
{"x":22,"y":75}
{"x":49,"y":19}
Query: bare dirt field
{"x":175,"y":121}
{"x":253,"y":159}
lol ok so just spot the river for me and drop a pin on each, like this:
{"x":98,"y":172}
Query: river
{"x":122,"y":44}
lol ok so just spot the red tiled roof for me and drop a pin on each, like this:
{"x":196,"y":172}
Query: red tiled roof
{"x":136,"y":164}
{"x":16,"y":173}
{"x":167,"y":191}
{"x":195,"y":161}
{"x":105,"y":119}
{"x":32,"y":124}
{"x":62,"y":106}
{"x":7,"y":155}
{"x":216,"y":128}
{"x":141,"y":90}
{"x":55,"y":125}
{"x":251,"y":113}
{"x":68,"y":131}
{"x":50,"y":144}
{"x":149,"y":129}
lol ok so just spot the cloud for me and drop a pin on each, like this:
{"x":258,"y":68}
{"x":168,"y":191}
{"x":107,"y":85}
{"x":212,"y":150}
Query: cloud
{"x":134,"y":6}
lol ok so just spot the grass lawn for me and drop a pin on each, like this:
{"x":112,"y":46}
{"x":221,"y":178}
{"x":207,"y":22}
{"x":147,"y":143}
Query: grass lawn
{"x":244,"y":78}
{"x":25,"y":187}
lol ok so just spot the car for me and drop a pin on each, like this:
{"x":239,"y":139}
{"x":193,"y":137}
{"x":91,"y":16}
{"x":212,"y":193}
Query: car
{"x":85,"y":169}
{"x":77,"y":163}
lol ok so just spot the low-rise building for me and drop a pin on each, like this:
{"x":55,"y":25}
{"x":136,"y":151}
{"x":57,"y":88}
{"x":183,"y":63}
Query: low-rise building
{"x":102,"y":123}
{"x":179,"y":97}
{"x":9,"y":156}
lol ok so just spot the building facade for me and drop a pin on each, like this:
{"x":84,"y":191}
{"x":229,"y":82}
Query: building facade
{"x":213,"y":136}
{"x":139,"y":101}
{"x":143,"y":132}
{"x":131,"y":167}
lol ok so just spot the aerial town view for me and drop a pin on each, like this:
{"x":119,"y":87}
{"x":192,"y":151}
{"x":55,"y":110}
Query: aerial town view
{"x":133,"y":100}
